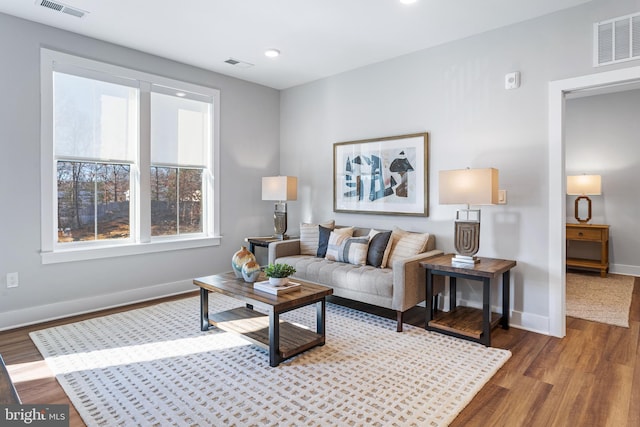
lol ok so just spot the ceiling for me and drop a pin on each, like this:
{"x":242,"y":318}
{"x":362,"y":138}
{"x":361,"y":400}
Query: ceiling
{"x":317,"y":38}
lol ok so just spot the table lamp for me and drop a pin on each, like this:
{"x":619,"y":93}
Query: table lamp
{"x":281,"y":189}
{"x":583,"y":186}
{"x":470,"y":187}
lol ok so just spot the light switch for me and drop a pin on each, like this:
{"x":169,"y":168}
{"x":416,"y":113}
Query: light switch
{"x":502,"y":197}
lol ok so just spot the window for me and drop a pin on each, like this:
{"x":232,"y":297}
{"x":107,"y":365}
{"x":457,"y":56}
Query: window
{"x":94,"y":139}
{"x":129,"y":161}
{"x":93,"y":201}
{"x":180,"y":129}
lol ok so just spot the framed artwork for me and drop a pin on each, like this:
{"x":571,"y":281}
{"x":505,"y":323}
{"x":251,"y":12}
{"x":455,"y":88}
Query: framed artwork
{"x":382,"y":175}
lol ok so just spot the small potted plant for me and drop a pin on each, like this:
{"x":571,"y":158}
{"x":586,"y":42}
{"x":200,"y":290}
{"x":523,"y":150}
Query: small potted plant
{"x":278,"y":274}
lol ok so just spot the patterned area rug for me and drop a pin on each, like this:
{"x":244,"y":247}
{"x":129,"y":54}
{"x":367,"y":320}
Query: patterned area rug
{"x":600,"y":299}
{"x":153,"y":366}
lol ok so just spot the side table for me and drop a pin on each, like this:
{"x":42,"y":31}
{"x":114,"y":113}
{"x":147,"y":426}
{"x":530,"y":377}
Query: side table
{"x":466,"y":322}
{"x":262,"y":242}
{"x":595,"y":234}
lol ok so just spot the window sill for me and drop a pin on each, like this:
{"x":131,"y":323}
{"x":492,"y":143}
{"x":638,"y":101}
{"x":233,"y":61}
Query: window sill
{"x":83,"y":254}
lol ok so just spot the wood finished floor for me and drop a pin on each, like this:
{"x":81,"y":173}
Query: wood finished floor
{"x":589,"y":378}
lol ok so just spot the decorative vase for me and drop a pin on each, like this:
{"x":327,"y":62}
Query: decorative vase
{"x":250,"y":271}
{"x":239,"y":259}
{"x":278,"y":281}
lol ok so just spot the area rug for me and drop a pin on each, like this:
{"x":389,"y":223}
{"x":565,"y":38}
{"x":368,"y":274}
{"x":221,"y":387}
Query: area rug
{"x":600,"y":299}
{"x":154,"y":367}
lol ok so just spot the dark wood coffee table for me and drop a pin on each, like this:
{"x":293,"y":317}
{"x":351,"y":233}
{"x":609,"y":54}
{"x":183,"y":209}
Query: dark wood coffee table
{"x":8,"y":394}
{"x":283,"y":340}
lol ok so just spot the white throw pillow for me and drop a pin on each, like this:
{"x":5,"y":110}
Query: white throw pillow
{"x":404,"y":244}
{"x":309,"y":235}
{"x":336,"y":238}
{"x":353,"y":250}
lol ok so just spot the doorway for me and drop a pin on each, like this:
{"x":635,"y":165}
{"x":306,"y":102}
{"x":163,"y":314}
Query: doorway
{"x":557,"y":185}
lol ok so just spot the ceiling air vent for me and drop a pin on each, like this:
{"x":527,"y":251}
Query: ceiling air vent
{"x":238,"y":63}
{"x":617,"y":40}
{"x":63,"y":8}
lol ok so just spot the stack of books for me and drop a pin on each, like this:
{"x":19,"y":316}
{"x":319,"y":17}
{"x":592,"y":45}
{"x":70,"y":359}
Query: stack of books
{"x":265,"y":286}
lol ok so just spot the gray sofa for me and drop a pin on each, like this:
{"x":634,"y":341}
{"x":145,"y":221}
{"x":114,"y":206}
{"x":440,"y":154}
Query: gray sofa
{"x":398,"y":287}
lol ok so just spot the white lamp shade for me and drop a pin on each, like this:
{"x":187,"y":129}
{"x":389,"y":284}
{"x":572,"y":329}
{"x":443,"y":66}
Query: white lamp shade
{"x":279,"y":188}
{"x":584,"y":185}
{"x":469,"y":186}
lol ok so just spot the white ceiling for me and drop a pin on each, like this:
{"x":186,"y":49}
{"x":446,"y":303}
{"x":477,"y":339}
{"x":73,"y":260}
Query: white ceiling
{"x":317,"y":38}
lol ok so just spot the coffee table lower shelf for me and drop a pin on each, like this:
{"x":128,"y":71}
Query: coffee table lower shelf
{"x":466,"y":321}
{"x":254,"y":326}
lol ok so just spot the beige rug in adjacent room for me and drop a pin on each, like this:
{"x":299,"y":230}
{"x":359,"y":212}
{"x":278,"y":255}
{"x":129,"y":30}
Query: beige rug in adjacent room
{"x":154,"y":367}
{"x":600,"y":299}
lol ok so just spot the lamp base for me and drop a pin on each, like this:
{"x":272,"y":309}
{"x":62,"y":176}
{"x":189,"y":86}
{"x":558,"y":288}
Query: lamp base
{"x":280,"y":221}
{"x":467,"y":232}
{"x":577,"y":210}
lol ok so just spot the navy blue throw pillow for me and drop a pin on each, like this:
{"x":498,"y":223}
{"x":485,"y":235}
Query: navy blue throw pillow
{"x":323,"y":241}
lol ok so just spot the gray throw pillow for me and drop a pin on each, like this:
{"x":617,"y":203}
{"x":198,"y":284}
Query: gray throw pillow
{"x":377,"y":246}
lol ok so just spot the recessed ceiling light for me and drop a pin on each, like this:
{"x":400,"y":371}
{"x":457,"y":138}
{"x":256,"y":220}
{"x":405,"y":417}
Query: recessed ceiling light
{"x":408,"y":1}
{"x":272,"y":53}
{"x":181,"y":94}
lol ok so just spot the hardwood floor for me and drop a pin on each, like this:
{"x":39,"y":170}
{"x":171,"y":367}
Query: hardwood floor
{"x":589,"y":378}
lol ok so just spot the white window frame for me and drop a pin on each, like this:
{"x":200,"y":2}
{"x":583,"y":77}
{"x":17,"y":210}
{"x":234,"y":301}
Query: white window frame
{"x":141,"y":241}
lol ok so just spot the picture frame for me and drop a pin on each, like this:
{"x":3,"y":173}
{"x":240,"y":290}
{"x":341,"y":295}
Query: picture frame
{"x":386,"y":176}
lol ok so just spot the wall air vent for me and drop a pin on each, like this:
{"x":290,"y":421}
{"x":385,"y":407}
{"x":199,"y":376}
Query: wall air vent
{"x":617,"y":40}
{"x":238,"y":63}
{"x":63,"y":8}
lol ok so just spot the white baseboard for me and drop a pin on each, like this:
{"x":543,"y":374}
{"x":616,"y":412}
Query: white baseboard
{"x":530,"y":322}
{"x":627,"y":270}
{"x":44,"y":313}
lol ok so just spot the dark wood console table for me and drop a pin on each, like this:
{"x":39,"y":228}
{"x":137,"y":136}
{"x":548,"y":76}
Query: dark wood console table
{"x":466,"y":322}
{"x":262,"y":242}
{"x":8,"y":394}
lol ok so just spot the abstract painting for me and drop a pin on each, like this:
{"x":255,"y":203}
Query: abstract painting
{"x":382,"y":176}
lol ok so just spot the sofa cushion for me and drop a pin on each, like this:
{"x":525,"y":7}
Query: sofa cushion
{"x":346,"y":279}
{"x":336,"y":238}
{"x":378,"y":241}
{"x":309,"y":237}
{"x":403,"y":244}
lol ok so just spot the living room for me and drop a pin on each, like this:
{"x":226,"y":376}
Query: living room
{"x":454,"y":91}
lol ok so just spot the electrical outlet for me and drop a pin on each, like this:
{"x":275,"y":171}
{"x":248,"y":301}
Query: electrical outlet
{"x":13,"y":280}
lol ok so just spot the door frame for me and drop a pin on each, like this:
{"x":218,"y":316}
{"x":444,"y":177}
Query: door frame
{"x":557,"y":183}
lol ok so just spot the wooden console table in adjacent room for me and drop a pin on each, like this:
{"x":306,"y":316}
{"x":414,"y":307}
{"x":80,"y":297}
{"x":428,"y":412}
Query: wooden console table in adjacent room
{"x":467,"y":322}
{"x":594,"y":233}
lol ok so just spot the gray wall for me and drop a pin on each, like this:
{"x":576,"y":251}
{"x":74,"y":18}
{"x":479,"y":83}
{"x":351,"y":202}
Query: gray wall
{"x":249,"y":150}
{"x":602,"y":138}
{"x":456,"y":93}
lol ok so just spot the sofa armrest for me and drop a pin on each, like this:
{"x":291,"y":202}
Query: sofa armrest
{"x":283,"y":248}
{"x":409,"y":281}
